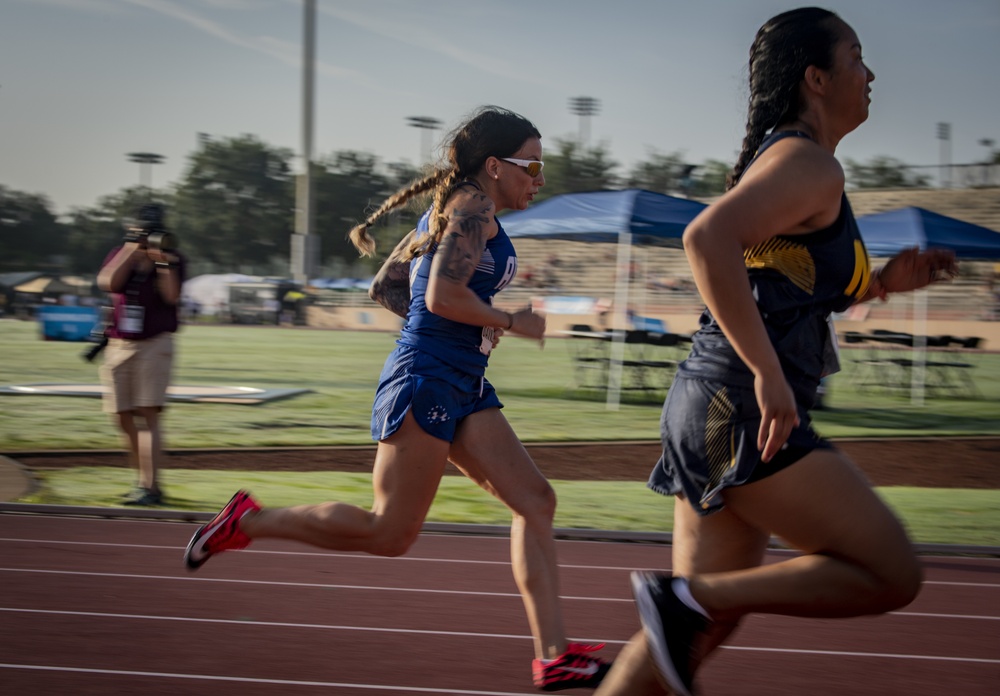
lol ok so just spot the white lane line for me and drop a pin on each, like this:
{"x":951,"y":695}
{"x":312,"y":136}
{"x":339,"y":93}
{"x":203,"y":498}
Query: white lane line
{"x":851,"y":653}
{"x":251,"y":680}
{"x":365,"y":556}
{"x":319,"y":585}
{"x":991,"y":585}
{"x":269,"y":624}
{"x":922,"y":614}
{"x":468,"y":634}
{"x":333,"y":586}
{"x":307,"y":554}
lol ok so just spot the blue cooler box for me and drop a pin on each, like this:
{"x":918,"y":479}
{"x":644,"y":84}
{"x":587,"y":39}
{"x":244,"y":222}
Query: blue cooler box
{"x":59,"y":323}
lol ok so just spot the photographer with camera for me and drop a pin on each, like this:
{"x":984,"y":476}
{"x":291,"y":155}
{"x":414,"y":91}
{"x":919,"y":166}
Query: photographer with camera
{"x":143,"y":277}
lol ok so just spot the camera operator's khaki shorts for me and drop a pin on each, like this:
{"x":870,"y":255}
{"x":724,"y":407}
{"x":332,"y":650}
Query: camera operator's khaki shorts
{"x":136,"y":374}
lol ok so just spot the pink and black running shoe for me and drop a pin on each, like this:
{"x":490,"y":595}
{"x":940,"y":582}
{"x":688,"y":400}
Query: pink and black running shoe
{"x":222,"y":533}
{"x":574,"y":669}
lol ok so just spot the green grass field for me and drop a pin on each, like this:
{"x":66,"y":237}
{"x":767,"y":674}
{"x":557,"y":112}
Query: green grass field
{"x":341,"y":367}
{"x":941,"y":516}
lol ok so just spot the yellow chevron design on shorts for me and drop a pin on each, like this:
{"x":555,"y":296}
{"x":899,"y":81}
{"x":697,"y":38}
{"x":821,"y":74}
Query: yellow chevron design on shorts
{"x":788,"y":258}
{"x":720,"y":437}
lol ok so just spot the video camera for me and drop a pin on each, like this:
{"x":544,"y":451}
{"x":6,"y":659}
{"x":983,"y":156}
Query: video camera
{"x":148,"y":229}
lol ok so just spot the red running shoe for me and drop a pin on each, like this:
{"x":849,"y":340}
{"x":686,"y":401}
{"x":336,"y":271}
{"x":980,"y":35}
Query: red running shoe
{"x":574,"y":669}
{"x":222,"y":533}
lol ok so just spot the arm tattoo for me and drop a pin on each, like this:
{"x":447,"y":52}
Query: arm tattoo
{"x":392,"y":292}
{"x":391,"y":285}
{"x":460,"y":250}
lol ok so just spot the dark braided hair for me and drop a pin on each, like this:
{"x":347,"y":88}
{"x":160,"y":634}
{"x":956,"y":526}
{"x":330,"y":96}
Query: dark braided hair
{"x":784,"y":47}
{"x":490,"y":132}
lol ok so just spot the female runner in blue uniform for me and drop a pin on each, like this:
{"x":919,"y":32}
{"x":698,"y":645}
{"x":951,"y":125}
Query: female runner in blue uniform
{"x":433,"y":403}
{"x":772,"y":258}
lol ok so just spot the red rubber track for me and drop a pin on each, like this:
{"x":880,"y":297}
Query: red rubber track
{"x":94,"y":606}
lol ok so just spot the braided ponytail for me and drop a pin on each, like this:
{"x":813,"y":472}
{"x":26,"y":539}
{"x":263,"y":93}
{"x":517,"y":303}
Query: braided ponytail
{"x":762,"y":116}
{"x":364,"y":242}
{"x":439,"y":220}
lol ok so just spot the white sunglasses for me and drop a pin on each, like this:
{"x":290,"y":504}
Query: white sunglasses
{"x":534,"y":167}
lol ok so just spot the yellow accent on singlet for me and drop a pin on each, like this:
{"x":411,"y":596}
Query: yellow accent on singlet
{"x":788,"y":258}
{"x":862,"y":272}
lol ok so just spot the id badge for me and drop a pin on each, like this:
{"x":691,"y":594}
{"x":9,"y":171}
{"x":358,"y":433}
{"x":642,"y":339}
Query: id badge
{"x":131,"y":319}
{"x":831,"y":351}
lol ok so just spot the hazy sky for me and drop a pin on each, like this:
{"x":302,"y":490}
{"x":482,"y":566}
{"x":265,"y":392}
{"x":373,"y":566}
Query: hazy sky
{"x":83,"y":82}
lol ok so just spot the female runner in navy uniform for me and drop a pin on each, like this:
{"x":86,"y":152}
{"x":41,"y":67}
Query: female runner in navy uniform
{"x":772,"y":258}
{"x":433,"y":403}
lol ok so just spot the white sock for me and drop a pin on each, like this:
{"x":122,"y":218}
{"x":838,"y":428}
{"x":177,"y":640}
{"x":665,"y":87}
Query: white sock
{"x":683,"y":592}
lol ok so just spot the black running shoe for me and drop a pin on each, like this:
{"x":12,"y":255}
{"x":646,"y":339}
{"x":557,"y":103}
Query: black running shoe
{"x":671,"y":628}
{"x":143,"y":497}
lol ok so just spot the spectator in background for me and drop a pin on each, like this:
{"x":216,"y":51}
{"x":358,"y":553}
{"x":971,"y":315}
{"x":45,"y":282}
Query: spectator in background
{"x":143,"y":277}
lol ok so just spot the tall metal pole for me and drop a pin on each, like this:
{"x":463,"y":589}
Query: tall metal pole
{"x":988,"y":143}
{"x":426,"y":124}
{"x":944,"y":135}
{"x":145,"y":161}
{"x":305,"y":244}
{"x":584,"y":107}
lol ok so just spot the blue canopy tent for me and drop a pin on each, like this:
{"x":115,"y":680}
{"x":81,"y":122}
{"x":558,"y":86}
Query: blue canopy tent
{"x":621,"y":217}
{"x":888,"y":233}
{"x":603,"y":216}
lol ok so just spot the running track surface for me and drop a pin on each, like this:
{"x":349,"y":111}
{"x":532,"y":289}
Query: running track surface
{"x":94,"y":606}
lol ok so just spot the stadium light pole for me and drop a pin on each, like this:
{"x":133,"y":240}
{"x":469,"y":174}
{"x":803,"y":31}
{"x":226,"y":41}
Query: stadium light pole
{"x":988,"y":143}
{"x":305,"y":244}
{"x":944,"y":135}
{"x":584,"y":107}
{"x":146,"y":160}
{"x":426,"y":125}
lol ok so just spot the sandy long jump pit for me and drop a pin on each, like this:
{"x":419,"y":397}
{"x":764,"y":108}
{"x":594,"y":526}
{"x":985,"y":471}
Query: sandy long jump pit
{"x":249,"y":396}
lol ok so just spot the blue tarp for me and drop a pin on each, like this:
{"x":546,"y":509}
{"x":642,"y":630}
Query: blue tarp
{"x":886,"y":234}
{"x":61,"y":323}
{"x":600,"y":216}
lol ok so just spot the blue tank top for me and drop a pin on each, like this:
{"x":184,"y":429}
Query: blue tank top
{"x":463,"y":346}
{"x":798,"y":281}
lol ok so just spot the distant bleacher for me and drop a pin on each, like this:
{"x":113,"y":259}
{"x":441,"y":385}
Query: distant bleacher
{"x":662,"y":280}
{"x":980,"y":206}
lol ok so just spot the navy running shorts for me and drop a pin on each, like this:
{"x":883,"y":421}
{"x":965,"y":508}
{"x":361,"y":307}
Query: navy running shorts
{"x":709,"y":435}
{"x":438,"y":395}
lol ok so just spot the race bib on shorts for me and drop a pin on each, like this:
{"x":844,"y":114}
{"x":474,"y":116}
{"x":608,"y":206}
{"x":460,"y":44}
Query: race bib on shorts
{"x":489,"y":340}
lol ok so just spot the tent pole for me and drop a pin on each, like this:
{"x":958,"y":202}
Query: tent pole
{"x":620,"y":323}
{"x":918,"y":371}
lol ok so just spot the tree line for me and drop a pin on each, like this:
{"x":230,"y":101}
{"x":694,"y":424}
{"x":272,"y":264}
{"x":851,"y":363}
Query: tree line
{"x":233,"y":208}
